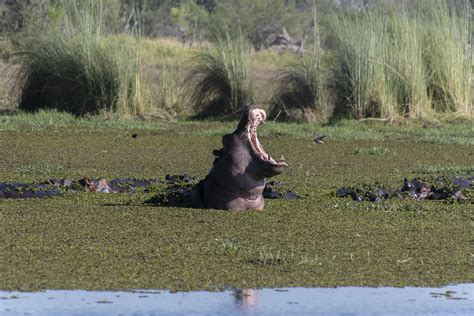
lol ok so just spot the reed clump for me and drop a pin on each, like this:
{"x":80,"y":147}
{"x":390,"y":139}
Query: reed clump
{"x":71,"y":67}
{"x":400,"y":60}
{"x":218,"y":83}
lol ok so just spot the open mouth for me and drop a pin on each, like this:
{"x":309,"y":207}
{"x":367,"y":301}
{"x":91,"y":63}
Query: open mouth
{"x":257,"y":117}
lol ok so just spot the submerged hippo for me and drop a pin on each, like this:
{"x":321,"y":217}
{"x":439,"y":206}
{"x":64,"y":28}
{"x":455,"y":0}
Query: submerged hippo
{"x":237,"y":178}
{"x":235,"y":182}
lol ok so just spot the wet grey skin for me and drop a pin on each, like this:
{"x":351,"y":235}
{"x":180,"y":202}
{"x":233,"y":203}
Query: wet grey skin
{"x":445,"y":188}
{"x":238,"y":176}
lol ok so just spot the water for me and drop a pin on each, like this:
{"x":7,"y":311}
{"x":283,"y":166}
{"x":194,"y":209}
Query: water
{"x":449,"y":300}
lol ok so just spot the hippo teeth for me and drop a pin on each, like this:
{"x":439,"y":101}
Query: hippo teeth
{"x":257,"y":147}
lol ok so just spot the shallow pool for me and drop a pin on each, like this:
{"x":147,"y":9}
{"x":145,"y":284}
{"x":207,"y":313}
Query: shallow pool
{"x":449,"y":300}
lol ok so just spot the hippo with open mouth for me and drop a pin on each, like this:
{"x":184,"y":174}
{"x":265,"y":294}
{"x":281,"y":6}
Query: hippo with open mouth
{"x":235,"y":182}
{"x":237,"y":178}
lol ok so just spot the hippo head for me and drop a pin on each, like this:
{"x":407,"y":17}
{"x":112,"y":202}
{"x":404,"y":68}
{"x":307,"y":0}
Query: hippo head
{"x":237,"y":178}
{"x":260,"y":164}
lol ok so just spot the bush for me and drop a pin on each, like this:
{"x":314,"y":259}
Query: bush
{"x":357,"y":75}
{"x":218,"y":84}
{"x":73,"y":69}
{"x":402,"y":60}
{"x":298,"y":91}
{"x":448,"y":54}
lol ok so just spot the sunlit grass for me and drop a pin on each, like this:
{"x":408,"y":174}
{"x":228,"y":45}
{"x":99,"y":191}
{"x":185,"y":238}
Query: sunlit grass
{"x":395,"y":60}
{"x":40,"y":168}
{"x":451,"y":131}
{"x":218,"y":83}
{"x":374,"y":151}
{"x":443,"y":169}
{"x":74,"y":69}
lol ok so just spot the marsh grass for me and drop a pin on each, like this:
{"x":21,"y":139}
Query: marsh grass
{"x":399,"y":60}
{"x":218,"y":83}
{"x":229,"y":246}
{"x":359,"y":66}
{"x":448,"y":54}
{"x":171,"y":94}
{"x":279,"y":257}
{"x":299,"y":86}
{"x":52,"y":119}
{"x":7,"y":99}
{"x":71,"y":68}
{"x":405,"y":69}
{"x":40,"y":168}
{"x":164,"y":69}
{"x":443,"y":169}
{"x":373,"y":151}
{"x":298,"y":92}
{"x":453,"y":131}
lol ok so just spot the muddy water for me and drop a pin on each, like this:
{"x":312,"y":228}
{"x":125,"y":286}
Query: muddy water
{"x":455,"y":299}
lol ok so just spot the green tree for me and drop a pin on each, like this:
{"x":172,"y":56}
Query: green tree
{"x":190,"y":17}
{"x":254,"y":17}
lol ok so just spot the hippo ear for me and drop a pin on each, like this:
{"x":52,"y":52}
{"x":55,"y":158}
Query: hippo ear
{"x":217,"y":153}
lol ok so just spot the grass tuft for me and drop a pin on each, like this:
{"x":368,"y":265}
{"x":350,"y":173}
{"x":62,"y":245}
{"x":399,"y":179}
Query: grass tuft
{"x":40,"y":168}
{"x":400,"y":60}
{"x":443,"y":169}
{"x":374,"y":151}
{"x":72,"y":69}
{"x":297,"y":95}
{"x":448,"y":54}
{"x":218,"y":84}
{"x":298,"y":87}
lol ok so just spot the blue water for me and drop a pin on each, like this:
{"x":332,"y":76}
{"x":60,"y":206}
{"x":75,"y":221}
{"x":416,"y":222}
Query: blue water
{"x":449,"y":300}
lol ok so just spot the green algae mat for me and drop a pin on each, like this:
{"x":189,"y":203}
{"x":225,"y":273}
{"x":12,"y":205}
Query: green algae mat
{"x":116,"y":241}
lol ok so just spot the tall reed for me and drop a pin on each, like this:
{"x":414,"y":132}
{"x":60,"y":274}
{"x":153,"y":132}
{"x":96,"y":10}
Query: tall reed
{"x":218,"y":83}
{"x":358,"y":75}
{"x":299,"y":86}
{"x":402,"y":60}
{"x":448,"y":54}
{"x":405,"y":68}
{"x":72,"y":68}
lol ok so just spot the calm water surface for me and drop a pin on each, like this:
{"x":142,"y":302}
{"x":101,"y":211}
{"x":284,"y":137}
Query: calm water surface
{"x":449,"y":300}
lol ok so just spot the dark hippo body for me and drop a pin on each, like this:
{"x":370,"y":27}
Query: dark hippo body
{"x":238,"y":177}
{"x":443,"y":188}
{"x":24,"y":191}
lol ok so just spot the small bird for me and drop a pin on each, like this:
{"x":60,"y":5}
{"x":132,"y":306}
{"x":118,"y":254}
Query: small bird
{"x":318,"y":139}
{"x":134,"y":136}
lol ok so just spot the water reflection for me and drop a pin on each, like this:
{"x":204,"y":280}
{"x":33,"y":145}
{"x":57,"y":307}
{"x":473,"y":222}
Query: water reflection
{"x":246,"y":300}
{"x":453,"y":299}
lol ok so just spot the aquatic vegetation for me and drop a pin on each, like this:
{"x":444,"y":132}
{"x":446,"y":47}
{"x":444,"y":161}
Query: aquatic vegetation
{"x":40,"y":168}
{"x":115,"y":241}
{"x":449,"y":168}
{"x":375,"y":151}
{"x":453,"y":131}
{"x":442,"y":188}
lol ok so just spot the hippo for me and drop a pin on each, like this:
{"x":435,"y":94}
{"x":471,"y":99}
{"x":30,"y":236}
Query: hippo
{"x":444,"y":188}
{"x":237,"y":178}
{"x":236,"y":181}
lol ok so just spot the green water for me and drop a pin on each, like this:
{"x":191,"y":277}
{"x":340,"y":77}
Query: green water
{"x":115,"y":242}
